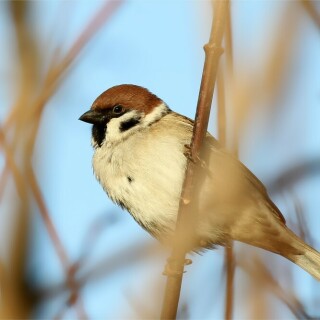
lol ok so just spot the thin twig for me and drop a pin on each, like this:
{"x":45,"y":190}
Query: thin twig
{"x":35,"y":108}
{"x":289,"y":177}
{"x":312,"y":11}
{"x":57,"y":243}
{"x":304,"y":231}
{"x":213,"y":51}
{"x":258,"y":270}
{"x":11,"y":165}
{"x":56,"y":72}
{"x":228,"y":257}
{"x":246,"y":95}
{"x":47,"y":220}
{"x":221,"y":109}
{"x":22,"y":187}
{"x":229,"y":252}
{"x":3,"y":178}
{"x":125,"y":258}
{"x":230,"y":269}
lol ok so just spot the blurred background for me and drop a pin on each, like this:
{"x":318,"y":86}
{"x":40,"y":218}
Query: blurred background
{"x":66,"y":251}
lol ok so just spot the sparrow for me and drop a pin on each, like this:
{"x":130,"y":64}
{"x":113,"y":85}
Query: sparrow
{"x":139,"y":159}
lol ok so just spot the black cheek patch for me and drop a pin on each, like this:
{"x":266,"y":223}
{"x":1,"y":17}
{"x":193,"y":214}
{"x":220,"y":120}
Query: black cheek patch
{"x":126,"y":125}
{"x":98,"y":133}
{"x":129,"y":179}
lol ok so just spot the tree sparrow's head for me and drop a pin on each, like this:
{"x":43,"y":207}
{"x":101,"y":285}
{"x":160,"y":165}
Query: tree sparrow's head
{"x":120,"y":111}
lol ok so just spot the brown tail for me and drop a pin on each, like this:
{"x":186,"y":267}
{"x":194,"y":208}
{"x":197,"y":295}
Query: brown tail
{"x":291,"y":247}
{"x":309,"y":260}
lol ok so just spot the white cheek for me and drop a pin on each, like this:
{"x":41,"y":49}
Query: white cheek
{"x":113,"y":128}
{"x":113,"y":132}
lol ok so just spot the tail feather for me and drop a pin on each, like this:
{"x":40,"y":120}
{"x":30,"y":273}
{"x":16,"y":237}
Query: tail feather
{"x":309,"y":261}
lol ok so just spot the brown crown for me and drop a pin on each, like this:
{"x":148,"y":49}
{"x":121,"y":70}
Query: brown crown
{"x":129,"y":96}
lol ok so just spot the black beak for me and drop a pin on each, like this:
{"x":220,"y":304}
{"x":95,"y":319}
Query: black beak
{"x":93,"y":117}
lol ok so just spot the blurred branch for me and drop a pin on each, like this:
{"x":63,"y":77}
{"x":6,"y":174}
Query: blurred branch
{"x":51,"y":82}
{"x":303,"y":229}
{"x":258,"y":269}
{"x":4,"y":174}
{"x":230,"y":270}
{"x":213,"y":51}
{"x":94,"y":231}
{"x":229,"y":260}
{"x":222,"y":132}
{"x":22,"y":187}
{"x":286,"y":179}
{"x":58,"y":70}
{"x":267,"y":85}
{"x":57,"y":243}
{"x":18,"y":302}
{"x":24,"y":120}
{"x":11,"y":165}
{"x":49,"y":86}
{"x":311,"y":9}
{"x":304,"y":232}
{"x":123,"y":259}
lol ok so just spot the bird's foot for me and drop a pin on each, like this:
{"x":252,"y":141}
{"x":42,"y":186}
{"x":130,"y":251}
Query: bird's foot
{"x":197,"y":159}
{"x":187,"y":153}
{"x":174,"y":268}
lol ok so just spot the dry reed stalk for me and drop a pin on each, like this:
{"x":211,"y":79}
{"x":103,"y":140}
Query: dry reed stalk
{"x":3,"y":178}
{"x":221,"y":109}
{"x":303,"y":229}
{"x":213,"y":51}
{"x":56,"y":73}
{"x":15,"y":295}
{"x":245,"y":99}
{"x":311,"y":9}
{"x":28,"y":64}
{"x":271,"y":83}
{"x":52,"y":80}
{"x":58,"y":70}
{"x":291,"y":176}
{"x":10,"y":166}
{"x":229,"y":260}
{"x":246,"y":96}
{"x":27,"y":112}
{"x":13,"y":292}
{"x":261,"y":274}
{"x":22,"y":187}
{"x":106,"y":267}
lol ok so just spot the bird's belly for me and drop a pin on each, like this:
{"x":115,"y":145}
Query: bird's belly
{"x":149,"y":191}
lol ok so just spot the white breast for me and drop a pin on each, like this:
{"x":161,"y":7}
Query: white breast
{"x":144,"y":173}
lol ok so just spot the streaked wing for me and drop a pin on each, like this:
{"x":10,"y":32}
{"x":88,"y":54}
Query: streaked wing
{"x":234,"y":178}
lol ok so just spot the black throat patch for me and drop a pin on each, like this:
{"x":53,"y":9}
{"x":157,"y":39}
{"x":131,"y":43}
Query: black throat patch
{"x":128,"y":124}
{"x":98,"y":134}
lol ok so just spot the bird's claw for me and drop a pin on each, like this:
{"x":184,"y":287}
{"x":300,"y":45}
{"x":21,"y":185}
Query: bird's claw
{"x":187,"y":262}
{"x":171,"y":267}
{"x":187,"y":153}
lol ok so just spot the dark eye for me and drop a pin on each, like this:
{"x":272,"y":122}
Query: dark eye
{"x":118,"y":109}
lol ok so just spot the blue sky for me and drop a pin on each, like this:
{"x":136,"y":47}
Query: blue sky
{"x":157,"y":44}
